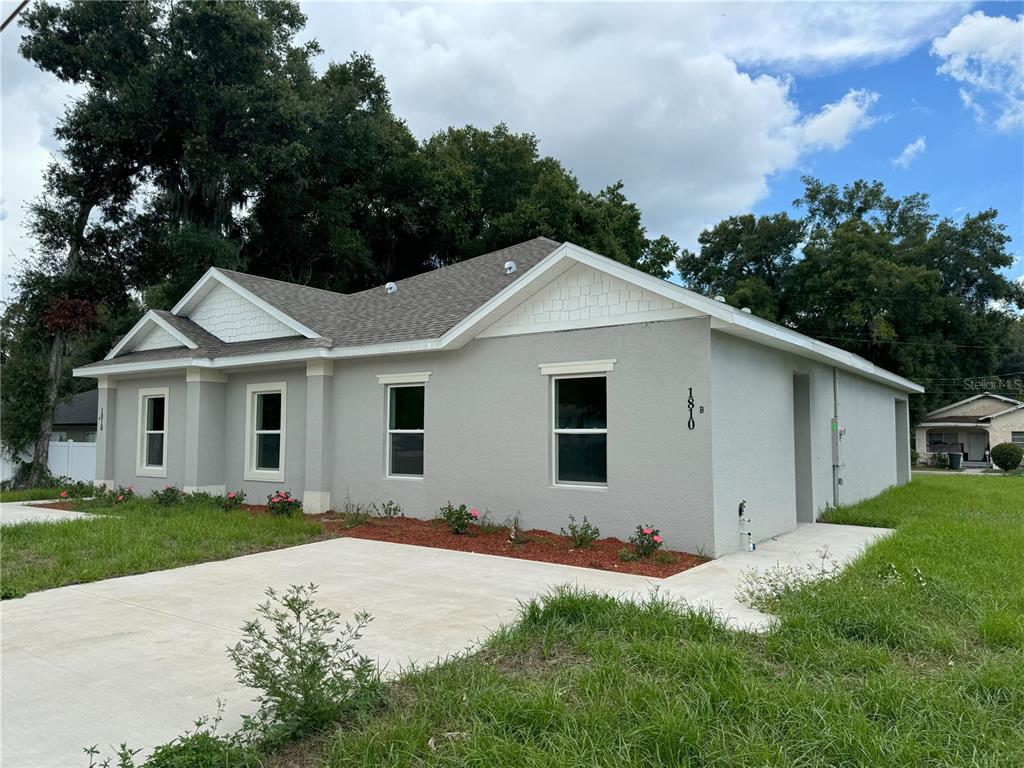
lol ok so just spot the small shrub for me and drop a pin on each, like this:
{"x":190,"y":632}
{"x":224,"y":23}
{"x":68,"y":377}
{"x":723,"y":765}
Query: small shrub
{"x":458,"y":518}
{"x":306,"y":668}
{"x":1007,"y":456}
{"x":938,"y":461}
{"x":914,"y":457}
{"x":646,"y":541}
{"x":388,"y":509}
{"x":117,"y":495}
{"x":169,"y":495}
{"x":627,"y":555}
{"x":283,"y":504}
{"x":583,"y":534}
{"x":233,"y":499}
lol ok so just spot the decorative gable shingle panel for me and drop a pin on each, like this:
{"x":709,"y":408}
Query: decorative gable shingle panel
{"x":231,"y":318}
{"x":158,"y":338}
{"x":582,"y":297}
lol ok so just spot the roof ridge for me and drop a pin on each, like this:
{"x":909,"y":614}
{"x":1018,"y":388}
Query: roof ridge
{"x":281,"y":282}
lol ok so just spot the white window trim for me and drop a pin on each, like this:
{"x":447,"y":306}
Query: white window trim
{"x":141,"y":468}
{"x":578,"y":367}
{"x":389,"y":431}
{"x":555,"y":431}
{"x":417,"y":377}
{"x":251,"y":473}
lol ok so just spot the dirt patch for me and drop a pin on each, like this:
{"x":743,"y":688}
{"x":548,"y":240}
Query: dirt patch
{"x":538,"y":545}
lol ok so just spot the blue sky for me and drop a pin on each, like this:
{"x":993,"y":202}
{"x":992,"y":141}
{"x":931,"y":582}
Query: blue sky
{"x":703,"y":110}
{"x":967,"y":165}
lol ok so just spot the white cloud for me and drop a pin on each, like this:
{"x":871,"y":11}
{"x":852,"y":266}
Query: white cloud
{"x":910,"y":153}
{"x":655,"y":95}
{"x":985,"y":54}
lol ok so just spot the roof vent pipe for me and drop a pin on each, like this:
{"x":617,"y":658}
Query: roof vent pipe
{"x":747,"y":310}
{"x":391,"y":287}
{"x":510,"y":267}
{"x":720,"y":298}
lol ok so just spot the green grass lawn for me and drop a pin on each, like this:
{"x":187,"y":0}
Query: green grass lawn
{"x":29,"y":494}
{"x":135,"y":537}
{"x":914,"y":656}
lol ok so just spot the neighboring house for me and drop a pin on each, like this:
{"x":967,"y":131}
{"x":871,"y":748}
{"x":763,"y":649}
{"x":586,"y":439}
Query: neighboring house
{"x":971,"y":427}
{"x":75,"y":420}
{"x":541,"y":380}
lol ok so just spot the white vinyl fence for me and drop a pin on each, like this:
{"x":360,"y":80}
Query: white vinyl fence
{"x":67,"y":459}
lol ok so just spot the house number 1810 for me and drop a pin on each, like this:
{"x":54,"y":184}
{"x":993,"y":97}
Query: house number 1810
{"x":690,"y":405}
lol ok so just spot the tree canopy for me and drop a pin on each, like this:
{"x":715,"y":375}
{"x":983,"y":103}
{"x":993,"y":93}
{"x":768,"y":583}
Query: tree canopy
{"x":883,"y":277}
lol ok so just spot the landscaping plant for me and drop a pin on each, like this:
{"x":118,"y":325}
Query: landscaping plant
{"x":646,"y":541}
{"x":388,"y":509}
{"x":1007,"y":456}
{"x":583,"y":534}
{"x":169,"y":495}
{"x":458,"y":518}
{"x":305,"y":665}
{"x":283,"y":504}
{"x":234,"y":499}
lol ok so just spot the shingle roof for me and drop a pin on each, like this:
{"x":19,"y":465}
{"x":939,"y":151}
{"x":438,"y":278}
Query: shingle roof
{"x":184,"y":325}
{"x":80,"y":409}
{"x":425,"y":306}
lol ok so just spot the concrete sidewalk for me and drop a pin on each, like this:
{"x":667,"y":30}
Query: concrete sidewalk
{"x":138,"y":658}
{"x":12,"y":514}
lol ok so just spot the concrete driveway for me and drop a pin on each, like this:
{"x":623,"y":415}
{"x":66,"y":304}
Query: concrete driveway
{"x":12,"y":514}
{"x":138,"y":658}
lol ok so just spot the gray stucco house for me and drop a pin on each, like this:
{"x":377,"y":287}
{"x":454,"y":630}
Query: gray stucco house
{"x":538,"y":380}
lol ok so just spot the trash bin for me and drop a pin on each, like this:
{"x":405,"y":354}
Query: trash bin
{"x":954,"y":460}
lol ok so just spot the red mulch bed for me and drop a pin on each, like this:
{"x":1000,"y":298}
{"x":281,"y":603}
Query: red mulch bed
{"x":64,"y":506}
{"x":539,"y":545}
{"x":533,"y":545}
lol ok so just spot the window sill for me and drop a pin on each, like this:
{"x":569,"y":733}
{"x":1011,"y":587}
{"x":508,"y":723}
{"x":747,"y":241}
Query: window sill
{"x":417,"y":478}
{"x":580,"y":486}
{"x":151,"y":471}
{"x":263,"y":477}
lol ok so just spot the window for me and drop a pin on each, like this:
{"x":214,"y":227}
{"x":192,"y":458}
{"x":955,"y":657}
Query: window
{"x":581,"y":430}
{"x":942,"y":438}
{"x":265,"y":431}
{"x":151,"y":455}
{"x":1017,"y":438}
{"x":405,"y":431}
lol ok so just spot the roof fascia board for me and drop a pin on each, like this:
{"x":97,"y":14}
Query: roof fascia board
{"x":201,"y":288}
{"x":143,"y":324}
{"x":1011,"y":409}
{"x":953,"y":423}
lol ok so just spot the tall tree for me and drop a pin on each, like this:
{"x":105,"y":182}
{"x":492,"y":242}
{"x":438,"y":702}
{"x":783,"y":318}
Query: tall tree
{"x":94,"y":45}
{"x":881,"y":276}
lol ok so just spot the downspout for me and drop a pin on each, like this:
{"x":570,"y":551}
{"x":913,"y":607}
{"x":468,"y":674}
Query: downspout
{"x":835,"y":437}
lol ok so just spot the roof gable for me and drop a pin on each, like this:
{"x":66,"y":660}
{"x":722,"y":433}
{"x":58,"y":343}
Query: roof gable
{"x":983,"y":404}
{"x":222,"y":305}
{"x":154,"y":332}
{"x":582,"y":296}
